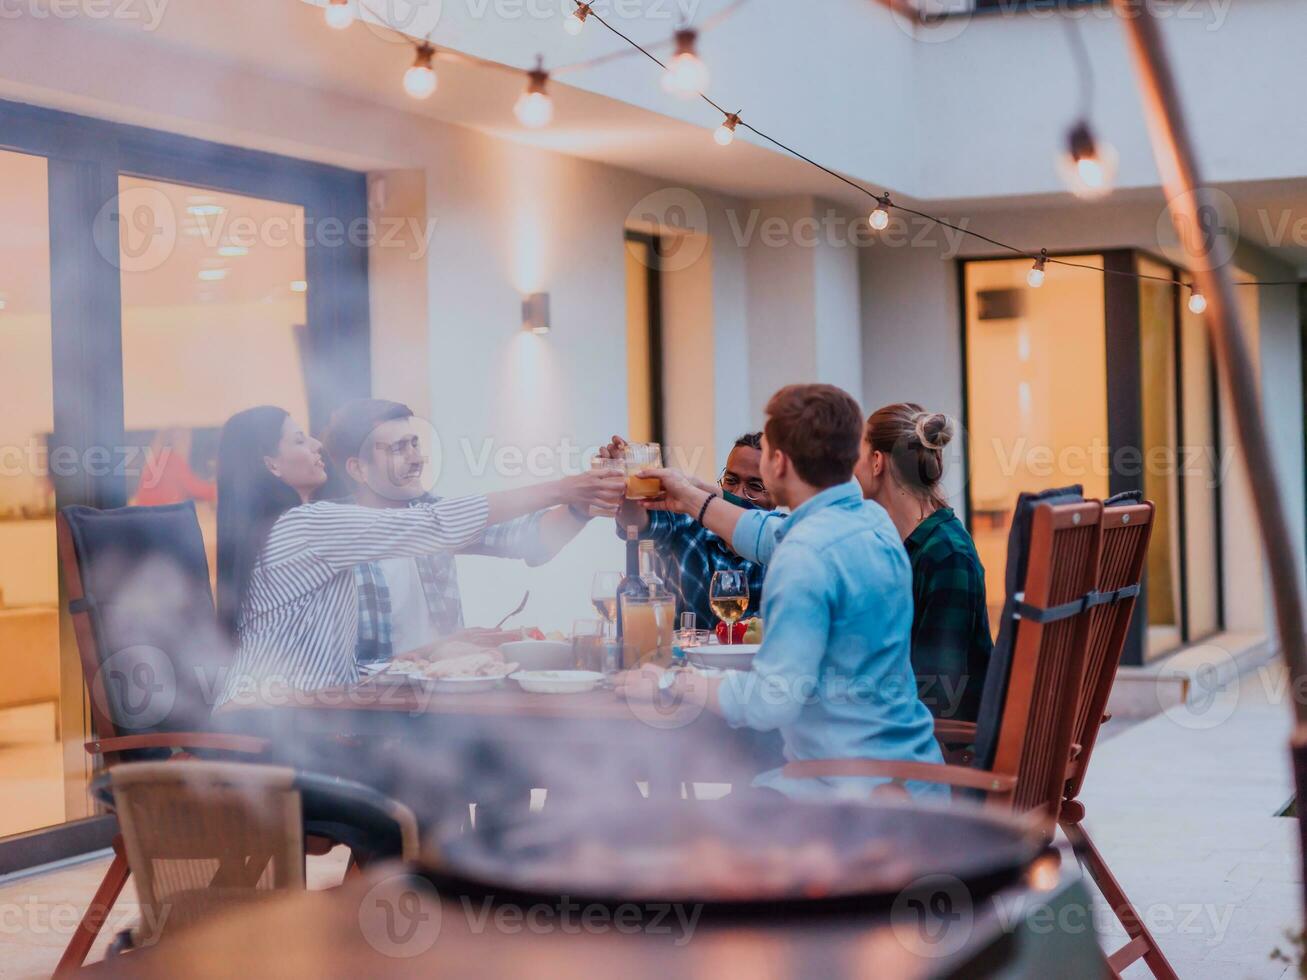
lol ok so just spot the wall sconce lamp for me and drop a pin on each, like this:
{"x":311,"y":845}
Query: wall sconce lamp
{"x":535,"y":313}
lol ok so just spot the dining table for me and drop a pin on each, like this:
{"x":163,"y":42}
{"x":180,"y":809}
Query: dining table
{"x":437,"y":750}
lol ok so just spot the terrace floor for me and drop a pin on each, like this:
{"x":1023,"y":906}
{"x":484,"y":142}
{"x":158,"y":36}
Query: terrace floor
{"x":1183,"y":805}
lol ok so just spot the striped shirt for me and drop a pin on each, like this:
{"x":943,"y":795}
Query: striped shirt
{"x":299,"y":619}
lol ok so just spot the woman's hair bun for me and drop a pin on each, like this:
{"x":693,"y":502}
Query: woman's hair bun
{"x":934,"y":429}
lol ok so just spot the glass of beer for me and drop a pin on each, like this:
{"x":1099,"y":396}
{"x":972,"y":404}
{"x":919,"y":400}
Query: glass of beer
{"x":648,"y":625}
{"x":639,"y":456}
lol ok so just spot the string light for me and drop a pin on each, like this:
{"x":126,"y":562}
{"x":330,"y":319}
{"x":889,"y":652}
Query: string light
{"x":725,"y":134}
{"x":1088,"y":166}
{"x":1035,"y":277}
{"x":534,"y":107}
{"x":686,"y":76}
{"x":879,"y":219}
{"x":420,"y":81}
{"x":1092,"y":164}
{"x":339,"y":14}
{"x":575,"y":21}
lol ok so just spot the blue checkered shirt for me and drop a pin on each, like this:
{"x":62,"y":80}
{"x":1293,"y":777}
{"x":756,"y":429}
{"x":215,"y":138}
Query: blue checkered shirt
{"x":519,"y":538}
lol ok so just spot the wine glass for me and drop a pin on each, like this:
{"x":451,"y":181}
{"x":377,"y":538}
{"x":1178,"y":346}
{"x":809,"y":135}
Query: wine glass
{"x":603,"y":594}
{"x":728,"y":594}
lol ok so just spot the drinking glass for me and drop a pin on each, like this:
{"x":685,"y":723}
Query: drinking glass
{"x":728,"y":594}
{"x":639,"y":456}
{"x":603,"y":463}
{"x":603,"y":593}
{"x":647,"y":630}
{"x":588,"y":645}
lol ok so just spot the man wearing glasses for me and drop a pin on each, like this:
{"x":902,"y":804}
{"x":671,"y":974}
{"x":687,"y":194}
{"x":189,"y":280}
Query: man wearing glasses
{"x":688,"y":552}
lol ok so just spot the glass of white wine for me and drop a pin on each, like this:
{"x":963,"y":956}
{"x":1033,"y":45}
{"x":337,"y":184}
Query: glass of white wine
{"x":728,"y":594}
{"x":603,"y":594}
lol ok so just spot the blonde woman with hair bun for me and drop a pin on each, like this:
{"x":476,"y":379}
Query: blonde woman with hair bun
{"x":901,"y":467}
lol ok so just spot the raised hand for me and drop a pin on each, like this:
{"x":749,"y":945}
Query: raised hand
{"x":594,"y":492}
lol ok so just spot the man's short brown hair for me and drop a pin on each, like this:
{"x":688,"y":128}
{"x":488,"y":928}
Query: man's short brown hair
{"x":819,"y":427}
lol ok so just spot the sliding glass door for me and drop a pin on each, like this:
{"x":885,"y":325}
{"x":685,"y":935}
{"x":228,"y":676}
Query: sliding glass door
{"x":31,"y":759}
{"x":150,"y":286}
{"x":1098,"y":380}
{"x":213,"y":324}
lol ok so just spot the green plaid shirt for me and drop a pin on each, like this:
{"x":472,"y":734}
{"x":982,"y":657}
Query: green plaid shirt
{"x":951,"y":642}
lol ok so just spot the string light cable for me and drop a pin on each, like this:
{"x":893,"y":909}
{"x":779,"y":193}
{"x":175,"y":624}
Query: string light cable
{"x":1088,"y":164}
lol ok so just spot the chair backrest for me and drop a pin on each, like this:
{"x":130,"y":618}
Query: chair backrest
{"x":1127,"y":529}
{"x":1046,"y":628}
{"x":202,"y":837}
{"x":993,"y":699}
{"x":142,"y":609}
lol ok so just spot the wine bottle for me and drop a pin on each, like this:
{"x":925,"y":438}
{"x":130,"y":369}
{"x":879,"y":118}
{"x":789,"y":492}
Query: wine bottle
{"x":632,"y":585}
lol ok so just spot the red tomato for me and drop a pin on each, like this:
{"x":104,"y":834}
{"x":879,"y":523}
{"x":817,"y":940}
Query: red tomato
{"x":737,"y":634}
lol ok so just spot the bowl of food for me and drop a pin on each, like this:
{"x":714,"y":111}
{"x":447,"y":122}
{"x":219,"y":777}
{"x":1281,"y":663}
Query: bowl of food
{"x":557,"y":681}
{"x":538,"y":654}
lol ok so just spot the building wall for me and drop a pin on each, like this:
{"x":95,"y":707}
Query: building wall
{"x":912,"y":339}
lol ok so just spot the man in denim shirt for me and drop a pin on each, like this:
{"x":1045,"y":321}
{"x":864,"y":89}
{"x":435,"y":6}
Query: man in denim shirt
{"x":834,"y":673}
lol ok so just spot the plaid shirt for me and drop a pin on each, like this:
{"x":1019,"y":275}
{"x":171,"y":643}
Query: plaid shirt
{"x":688,"y":554}
{"x":951,"y":642}
{"x":438,"y":574}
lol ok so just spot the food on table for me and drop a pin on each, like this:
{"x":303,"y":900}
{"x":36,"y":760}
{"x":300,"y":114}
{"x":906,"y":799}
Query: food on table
{"x":753,"y":631}
{"x":483,"y":663}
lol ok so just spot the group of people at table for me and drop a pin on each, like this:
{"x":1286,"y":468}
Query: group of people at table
{"x":870,"y":589}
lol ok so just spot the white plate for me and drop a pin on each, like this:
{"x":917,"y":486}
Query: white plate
{"x":737,"y":656}
{"x":557,"y":681}
{"x":460,"y":685}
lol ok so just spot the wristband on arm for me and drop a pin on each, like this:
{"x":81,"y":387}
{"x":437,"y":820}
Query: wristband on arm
{"x":704,"y":509}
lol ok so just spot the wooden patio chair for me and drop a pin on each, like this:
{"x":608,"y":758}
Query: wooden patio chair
{"x":1030,"y":732}
{"x":1127,"y":527}
{"x":206,"y":837}
{"x":137,"y":580}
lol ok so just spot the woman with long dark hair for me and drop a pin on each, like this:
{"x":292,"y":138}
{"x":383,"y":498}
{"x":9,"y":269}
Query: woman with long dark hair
{"x":286,"y":592}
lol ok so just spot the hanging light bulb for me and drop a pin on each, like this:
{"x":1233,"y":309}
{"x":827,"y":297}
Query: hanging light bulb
{"x":686,"y":75}
{"x":534,"y":107}
{"x":1197,"y":301}
{"x":339,"y":13}
{"x":725,"y":134}
{"x":1088,"y":166}
{"x":574,"y":21}
{"x":420,"y":81}
{"x":879,"y":219}
{"x":1035,"y":277}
